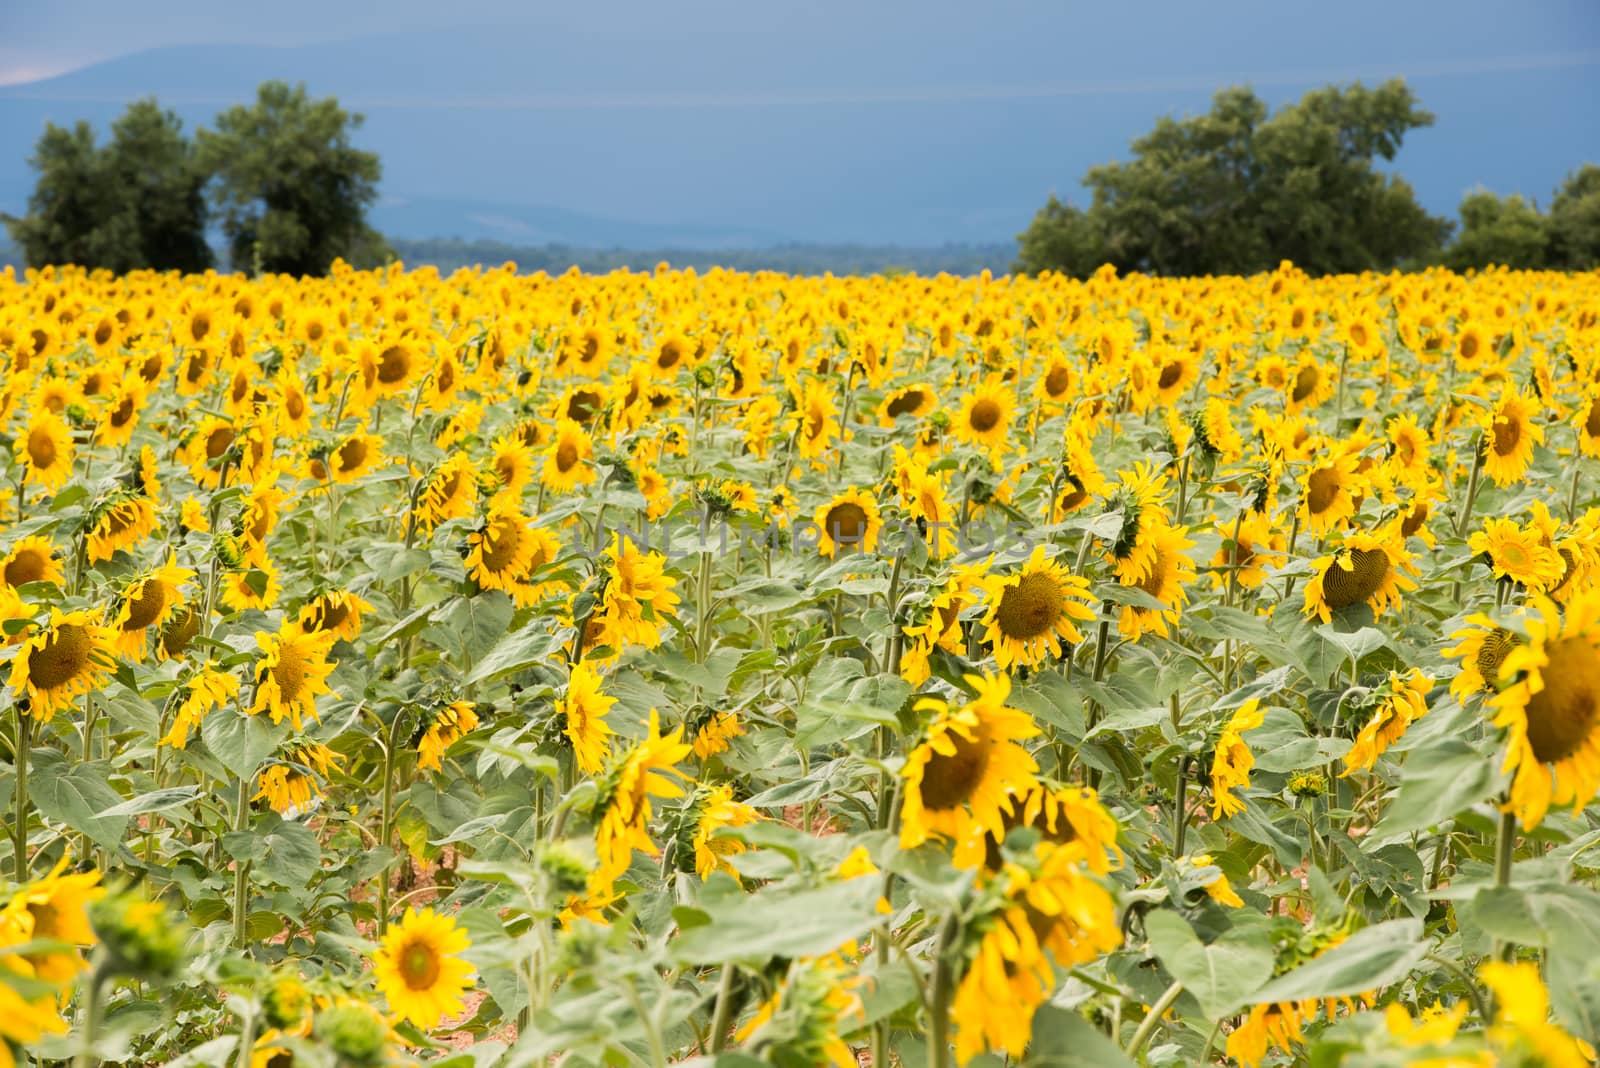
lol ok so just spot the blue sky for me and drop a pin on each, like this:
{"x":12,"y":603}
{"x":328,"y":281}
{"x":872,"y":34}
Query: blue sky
{"x":891,"y":121}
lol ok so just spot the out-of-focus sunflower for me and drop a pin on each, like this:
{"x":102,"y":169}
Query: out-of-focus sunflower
{"x":1549,"y":707}
{"x":914,"y":401}
{"x":1232,"y":761}
{"x":566,"y":460}
{"x":849,"y":521}
{"x":984,"y":418}
{"x":626,"y":791}
{"x":336,"y":612}
{"x":1327,"y":498}
{"x":45,"y":450}
{"x":354,"y":457}
{"x":30,"y":559}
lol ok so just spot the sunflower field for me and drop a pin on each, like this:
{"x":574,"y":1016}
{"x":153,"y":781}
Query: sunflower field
{"x":733,"y":670}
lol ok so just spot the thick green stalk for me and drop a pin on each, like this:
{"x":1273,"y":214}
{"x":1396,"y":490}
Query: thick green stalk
{"x":939,"y":1004}
{"x":19,"y":829}
{"x":1147,"y":1026}
{"x":241,"y":868}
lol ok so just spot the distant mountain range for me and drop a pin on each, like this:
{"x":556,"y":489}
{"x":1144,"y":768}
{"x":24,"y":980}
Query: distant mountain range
{"x":656,"y":132}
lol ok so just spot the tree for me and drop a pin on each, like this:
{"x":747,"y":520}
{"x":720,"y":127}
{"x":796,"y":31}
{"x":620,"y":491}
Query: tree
{"x":163,"y":188}
{"x":1237,"y":190}
{"x":1061,"y":238}
{"x":1509,"y":232}
{"x":1575,"y":221}
{"x":134,"y":202}
{"x":292,"y":190}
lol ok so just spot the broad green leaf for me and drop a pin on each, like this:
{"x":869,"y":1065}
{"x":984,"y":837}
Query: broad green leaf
{"x":1372,"y":958}
{"x":1435,"y":785}
{"x":77,"y":795}
{"x":1222,"y":975}
{"x":780,"y":923}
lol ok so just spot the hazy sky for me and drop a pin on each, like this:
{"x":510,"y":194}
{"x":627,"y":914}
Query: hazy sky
{"x":892,"y":119}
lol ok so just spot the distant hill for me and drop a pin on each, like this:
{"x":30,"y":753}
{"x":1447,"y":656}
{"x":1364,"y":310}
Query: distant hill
{"x":769,"y":128}
{"x":790,"y":259}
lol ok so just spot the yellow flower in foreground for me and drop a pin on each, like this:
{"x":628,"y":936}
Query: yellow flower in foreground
{"x":1522,"y":1027}
{"x":52,"y":909}
{"x":419,"y":968}
{"x":1549,"y":708}
{"x":1518,"y":554}
{"x":960,"y":778}
{"x":625,"y":819}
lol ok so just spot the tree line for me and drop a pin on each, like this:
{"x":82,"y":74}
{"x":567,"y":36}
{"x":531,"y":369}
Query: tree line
{"x":279,"y":178}
{"x":1238,"y":189}
{"x":1232,"y":191}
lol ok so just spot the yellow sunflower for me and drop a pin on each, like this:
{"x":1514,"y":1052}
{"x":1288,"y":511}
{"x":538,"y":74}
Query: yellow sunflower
{"x":337,"y":612}
{"x":849,"y":521}
{"x":121,"y":414}
{"x":205,"y":692}
{"x":1400,"y":702}
{"x":120,"y":523}
{"x":1032,"y":611}
{"x":44,"y":449}
{"x":292,"y":671}
{"x":448,"y":726}
{"x":65,"y":659}
{"x":1518,"y":553}
{"x":1367,"y":568}
{"x":1509,"y":438}
{"x":501,"y":551}
{"x":1327,"y":498}
{"x":583,"y":708}
{"x":354,"y":457}
{"x":450,"y":492}
{"x":1550,"y":709}
{"x":566,"y":460}
{"x":717,"y":810}
{"x":985,"y":416}
{"x":915,"y":401}
{"x":815,"y":420}
{"x":1169,"y":571}
{"x":959,"y":780}
{"x":419,"y":968}
{"x":625,"y":814}
{"x":149,"y":601}
{"x":1231,"y":760}
{"x":638,"y":597}
{"x":52,"y":909}
{"x":1255,"y":546}
{"x":252,"y":587}
{"x":31,"y":559}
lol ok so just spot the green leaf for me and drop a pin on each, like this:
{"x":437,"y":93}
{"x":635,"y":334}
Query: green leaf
{"x":1437,"y":783}
{"x":77,"y":795}
{"x":1372,"y":958}
{"x":517,"y":651}
{"x":779,"y":923}
{"x":1063,"y":1039}
{"x":154,"y":801}
{"x":1222,"y":975}
{"x":241,"y":742}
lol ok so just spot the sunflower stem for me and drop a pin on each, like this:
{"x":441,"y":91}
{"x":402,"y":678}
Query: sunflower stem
{"x":1472,"y":487}
{"x":19,"y":829}
{"x":723,"y":1011}
{"x":241,"y":868}
{"x":386,"y":825}
{"x":92,"y":996}
{"x":1572,"y":490}
{"x":939,"y":1005}
{"x":1505,"y":844}
{"x":1147,"y":1026}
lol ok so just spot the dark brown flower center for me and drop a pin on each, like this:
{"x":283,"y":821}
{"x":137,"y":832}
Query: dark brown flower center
{"x":1563,"y":715}
{"x":948,"y":781}
{"x":62,"y":658}
{"x":1030,"y":608}
{"x":846,"y":523}
{"x":985,"y":415}
{"x":1368,"y":569}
